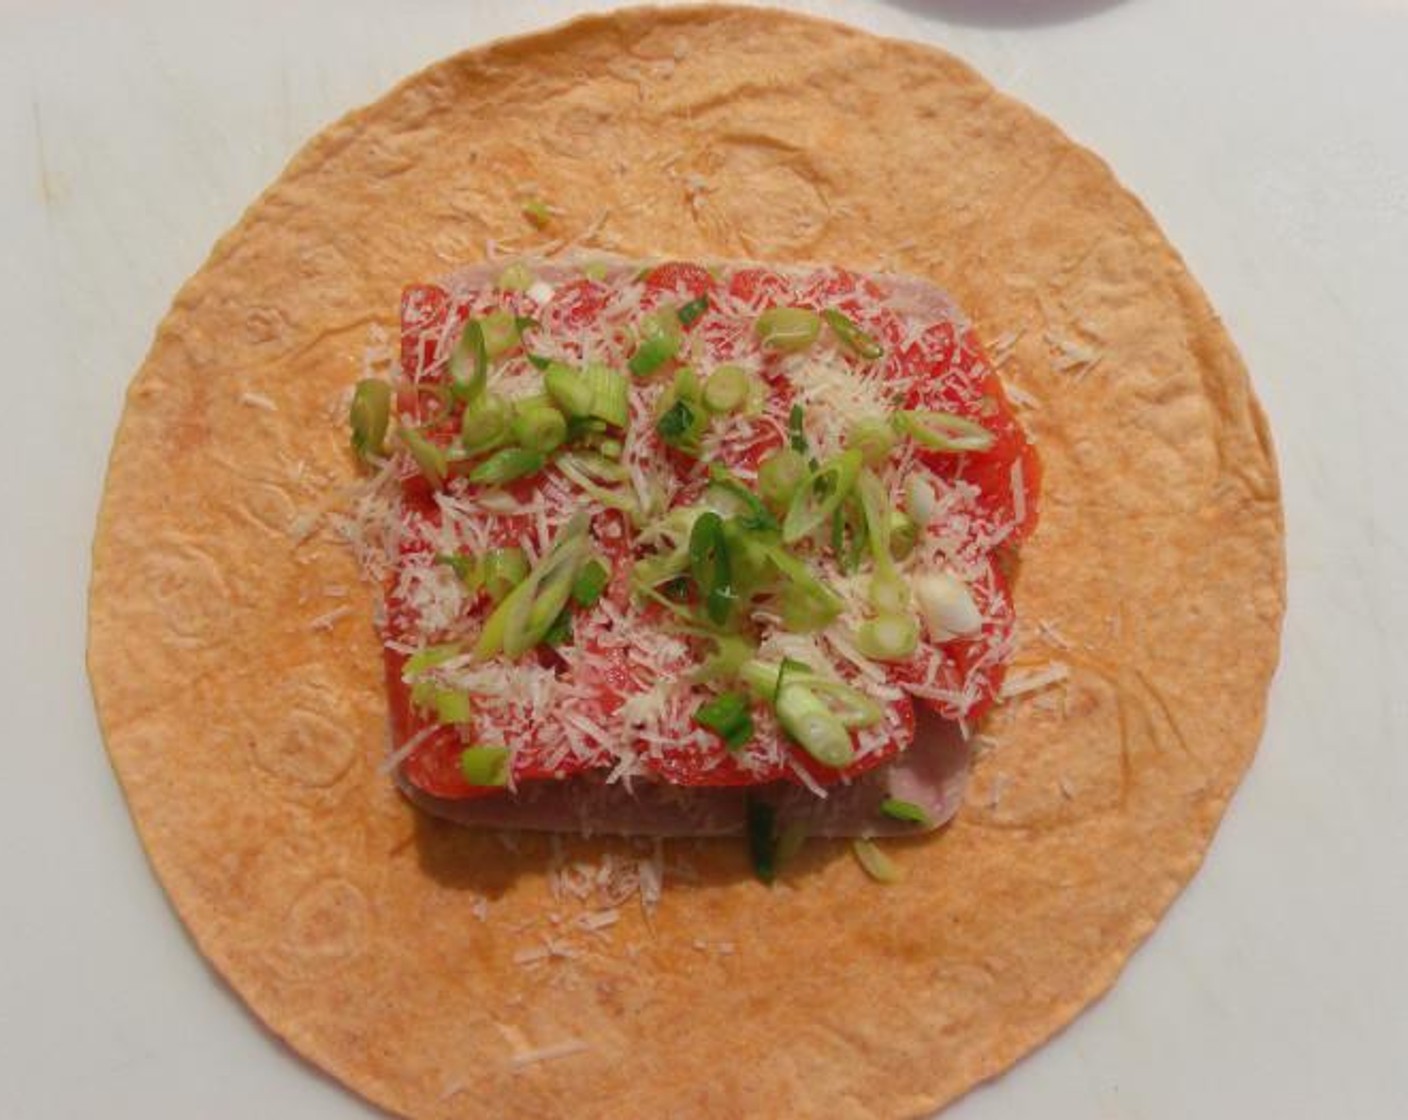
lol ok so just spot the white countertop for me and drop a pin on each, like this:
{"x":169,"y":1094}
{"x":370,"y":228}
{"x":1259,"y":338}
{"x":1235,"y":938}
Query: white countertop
{"x":1269,"y":137}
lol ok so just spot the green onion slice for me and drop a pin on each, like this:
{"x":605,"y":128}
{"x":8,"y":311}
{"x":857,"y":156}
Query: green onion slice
{"x":609,"y":394}
{"x":506,"y":465}
{"x":485,"y":766}
{"x":796,"y":432}
{"x":484,"y":425}
{"x":780,"y":475}
{"x":539,"y":428}
{"x":756,"y":517}
{"x":789,"y":329}
{"x":888,"y":637}
{"x":709,"y":565}
{"x":421,"y":662}
{"x":429,"y":457}
{"x":469,"y":362}
{"x":568,"y":389}
{"x":679,"y":425}
{"x":527,"y":614}
{"x":762,"y":838}
{"x":452,"y":706}
{"x":370,"y":417}
{"x":726,"y":390}
{"x":504,"y":569}
{"x":560,"y":632}
{"x":873,"y":437}
{"x":659,"y":342}
{"x":590,"y":583}
{"x":851,"y":336}
{"x":907,"y":811}
{"x":904,"y":534}
{"x":466,"y":568}
{"x":943,"y":431}
{"x":502,"y":331}
{"x":729,"y":716}
{"x":807,"y":603}
{"x":877,"y":864}
{"x":691,"y":311}
{"x":821,"y":496}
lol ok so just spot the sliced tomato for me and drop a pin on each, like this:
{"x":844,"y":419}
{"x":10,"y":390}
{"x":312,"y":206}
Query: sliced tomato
{"x":423,"y":311}
{"x":951,"y":373}
{"x":681,"y":276}
{"x":759,"y":284}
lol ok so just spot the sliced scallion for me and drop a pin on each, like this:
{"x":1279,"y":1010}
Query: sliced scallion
{"x":780,"y":475}
{"x":508,"y":464}
{"x":428,"y":658}
{"x":851,"y":336}
{"x":796,"y":431}
{"x":529,"y":611}
{"x":726,"y":390}
{"x":888,"y":637}
{"x":501,"y":332}
{"x":755,"y":516}
{"x":729,"y":716}
{"x":807,"y":603}
{"x":484,"y":425}
{"x":429,"y":457}
{"x":452,"y":706}
{"x":943,"y":431}
{"x":904,"y":534}
{"x":609,"y":394}
{"x":539,"y":428}
{"x":907,"y":811}
{"x":659,"y":342}
{"x":568,"y":389}
{"x":806,"y":718}
{"x":876,"y":863}
{"x":590,"y":583}
{"x":370,"y":417}
{"x":466,"y":568}
{"x":789,"y":329}
{"x":873,"y":438}
{"x":762,"y":838}
{"x":469,"y":362}
{"x":504,"y":569}
{"x":709,"y":565}
{"x":679,"y":425}
{"x":820,"y":496}
{"x":691,"y":311}
{"x":485,"y":766}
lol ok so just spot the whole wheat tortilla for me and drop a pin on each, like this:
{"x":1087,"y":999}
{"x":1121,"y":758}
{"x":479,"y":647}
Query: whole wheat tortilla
{"x":237,"y":672}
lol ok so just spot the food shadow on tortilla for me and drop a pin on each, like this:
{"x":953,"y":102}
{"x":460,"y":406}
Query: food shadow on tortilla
{"x":486,"y":844}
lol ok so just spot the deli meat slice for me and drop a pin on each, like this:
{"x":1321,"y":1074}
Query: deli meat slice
{"x":656,"y":540}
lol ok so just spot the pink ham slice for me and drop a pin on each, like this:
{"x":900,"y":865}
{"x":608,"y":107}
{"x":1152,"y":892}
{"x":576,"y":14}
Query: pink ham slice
{"x":931,"y":774}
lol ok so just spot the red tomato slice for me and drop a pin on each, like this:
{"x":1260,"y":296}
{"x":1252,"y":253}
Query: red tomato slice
{"x":952,"y":374}
{"x":681,"y":276}
{"x":423,"y":311}
{"x":759,"y":284}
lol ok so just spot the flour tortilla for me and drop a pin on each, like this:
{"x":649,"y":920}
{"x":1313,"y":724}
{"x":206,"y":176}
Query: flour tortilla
{"x":240,"y":695}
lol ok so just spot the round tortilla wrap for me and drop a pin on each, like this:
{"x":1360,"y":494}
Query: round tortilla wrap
{"x":237,"y":673}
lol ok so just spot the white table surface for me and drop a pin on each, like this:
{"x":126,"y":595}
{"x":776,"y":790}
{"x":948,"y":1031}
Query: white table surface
{"x":1270,"y":138}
